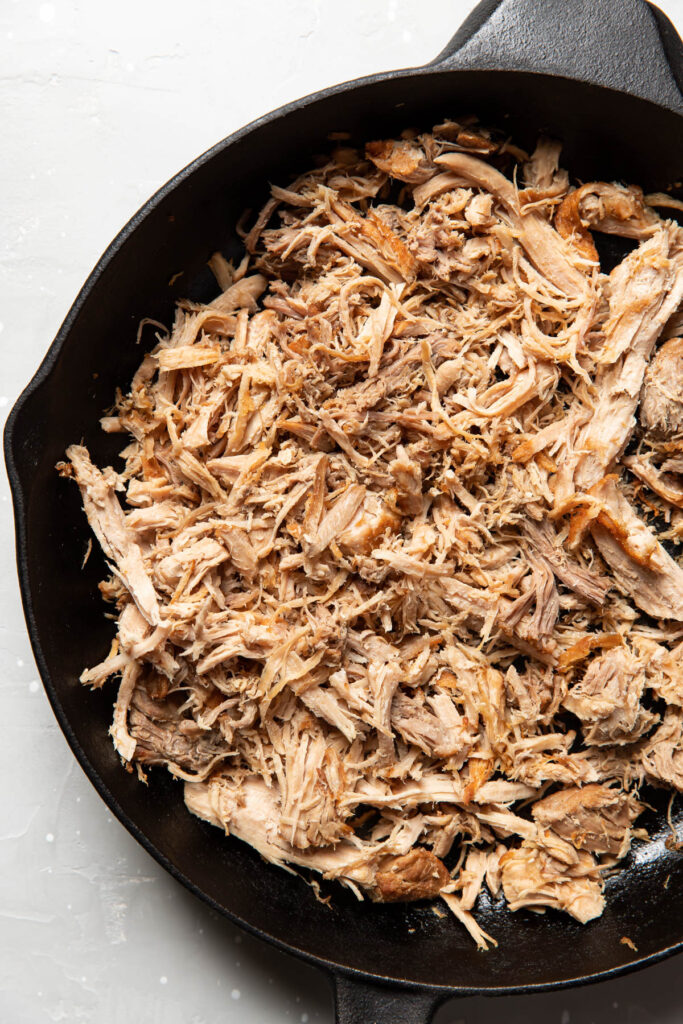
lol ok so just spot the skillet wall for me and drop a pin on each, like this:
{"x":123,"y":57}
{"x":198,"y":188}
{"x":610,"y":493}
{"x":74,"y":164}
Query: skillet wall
{"x":606,"y":135}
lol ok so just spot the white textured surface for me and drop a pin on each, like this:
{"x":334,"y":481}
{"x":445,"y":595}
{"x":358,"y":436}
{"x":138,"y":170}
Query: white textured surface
{"x":101,"y":103}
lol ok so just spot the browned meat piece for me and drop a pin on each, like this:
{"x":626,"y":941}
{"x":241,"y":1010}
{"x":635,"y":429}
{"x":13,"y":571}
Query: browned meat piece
{"x":607,"y":699}
{"x":533,"y":877}
{"x":475,"y":141}
{"x":661,"y":401}
{"x":641,"y":567}
{"x":372,"y":243}
{"x":417,"y":875}
{"x":611,"y":208}
{"x":584,"y":647}
{"x":594,"y":818}
{"x":400,"y":159}
{"x":663,"y":484}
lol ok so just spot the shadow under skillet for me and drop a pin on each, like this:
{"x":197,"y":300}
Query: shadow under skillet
{"x":650,"y":996}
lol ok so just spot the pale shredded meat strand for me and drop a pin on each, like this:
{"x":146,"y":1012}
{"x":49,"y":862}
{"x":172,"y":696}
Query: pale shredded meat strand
{"x":387,"y":515}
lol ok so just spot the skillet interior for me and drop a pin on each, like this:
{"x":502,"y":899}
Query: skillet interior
{"x":606,"y":135}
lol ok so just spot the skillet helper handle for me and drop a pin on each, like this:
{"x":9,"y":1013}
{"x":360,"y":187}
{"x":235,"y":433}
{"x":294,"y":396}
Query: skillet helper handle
{"x":627,"y":45}
{"x":360,"y":1002}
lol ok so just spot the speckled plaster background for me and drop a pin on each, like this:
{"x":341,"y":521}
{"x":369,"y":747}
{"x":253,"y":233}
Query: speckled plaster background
{"x":100,"y":104}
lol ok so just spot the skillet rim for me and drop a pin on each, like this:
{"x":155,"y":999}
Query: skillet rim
{"x":10,"y":443}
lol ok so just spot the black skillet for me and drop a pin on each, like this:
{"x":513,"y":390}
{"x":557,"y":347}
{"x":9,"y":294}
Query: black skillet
{"x":605,"y":77}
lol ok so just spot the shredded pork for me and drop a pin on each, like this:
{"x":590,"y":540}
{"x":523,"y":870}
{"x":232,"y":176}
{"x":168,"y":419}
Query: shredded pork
{"x":391,"y":547}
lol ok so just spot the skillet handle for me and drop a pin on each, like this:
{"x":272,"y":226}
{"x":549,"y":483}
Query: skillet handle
{"x":361,"y":1002}
{"x":627,"y":45}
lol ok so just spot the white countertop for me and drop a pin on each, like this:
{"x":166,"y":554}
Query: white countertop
{"x":101,"y":103}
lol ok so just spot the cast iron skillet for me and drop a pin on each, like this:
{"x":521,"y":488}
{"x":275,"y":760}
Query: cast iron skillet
{"x":603,"y":76}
